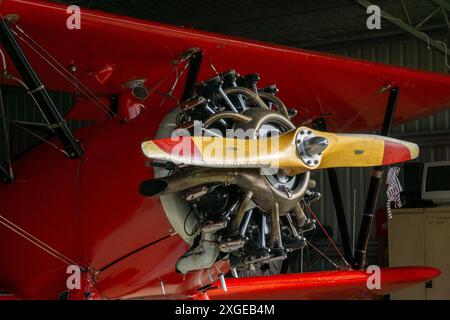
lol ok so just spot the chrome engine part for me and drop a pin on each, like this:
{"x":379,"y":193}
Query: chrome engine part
{"x":246,"y":216}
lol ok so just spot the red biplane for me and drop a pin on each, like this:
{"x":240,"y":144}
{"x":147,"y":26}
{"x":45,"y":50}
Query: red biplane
{"x":142,"y":221}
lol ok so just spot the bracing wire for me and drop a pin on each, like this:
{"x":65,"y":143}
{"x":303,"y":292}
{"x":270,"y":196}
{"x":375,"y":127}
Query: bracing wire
{"x":328,"y":236}
{"x":75,"y":82}
{"x":178,"y":76}
{"x":56,"y":65}
{"x":35,"y":135}
{"x":37,"y":242}
{"x":6,"y":120}
{"x":61,"y":66}
{"x":322,"y":254}
{"x":32,"y":97}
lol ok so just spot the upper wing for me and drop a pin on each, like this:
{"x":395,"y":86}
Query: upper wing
{"x":321,"y":285}
{"x":110,"y":50}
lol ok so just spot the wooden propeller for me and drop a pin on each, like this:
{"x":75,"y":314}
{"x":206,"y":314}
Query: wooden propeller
{"x":297,"y":151}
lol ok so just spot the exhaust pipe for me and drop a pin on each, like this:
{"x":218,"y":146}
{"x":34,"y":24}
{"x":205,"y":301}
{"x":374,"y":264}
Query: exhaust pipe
{"x":264,"y":194}
{"x":186,"y":180}
{"x":150,"y":188}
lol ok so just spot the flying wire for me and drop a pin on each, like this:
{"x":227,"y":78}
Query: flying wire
{"x":67,"y":75}
{"x":37,"y":242}
{"x":58,"y":64}
{"x":6,"y":120}
{"x":178,"y":76}
{"x":34,"y":134}
{"x":328,"y":236}
{"x":322,"y":254}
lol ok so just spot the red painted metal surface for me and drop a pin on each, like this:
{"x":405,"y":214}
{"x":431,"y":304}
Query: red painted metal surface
{"x":129,"y":107}
{"x":321,"y":285}
{"x":5,"y":297}
{"x":147,"y":272}
{"x":345,"y":91}
{"x":90,"y":209}
{"x":84,"y":109}
{"x":395,"y":152}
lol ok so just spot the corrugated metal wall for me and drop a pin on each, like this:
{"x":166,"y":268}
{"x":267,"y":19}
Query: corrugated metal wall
{"x":354,"y":182}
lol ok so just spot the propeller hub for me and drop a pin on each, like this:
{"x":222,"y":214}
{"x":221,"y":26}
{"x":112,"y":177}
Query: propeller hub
{"x":315,"y":145}
{"x":310,"y":147}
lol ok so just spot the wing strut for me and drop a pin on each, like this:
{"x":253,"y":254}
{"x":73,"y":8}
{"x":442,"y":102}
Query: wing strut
{"x":374,"y":186}
{"x":37,"y":89}
{"x":338,"y":204}
{"x":195,"y":62}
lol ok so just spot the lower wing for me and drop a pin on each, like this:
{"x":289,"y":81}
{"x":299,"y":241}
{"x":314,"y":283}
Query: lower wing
{"x":351,"y":284}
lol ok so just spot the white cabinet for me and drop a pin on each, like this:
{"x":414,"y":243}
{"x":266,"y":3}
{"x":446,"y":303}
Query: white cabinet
{"x":421,"y":237}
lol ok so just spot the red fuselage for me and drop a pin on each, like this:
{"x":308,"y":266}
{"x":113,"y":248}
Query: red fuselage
{"x":91,"y":211}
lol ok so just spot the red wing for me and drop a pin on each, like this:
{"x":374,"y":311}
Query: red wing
{"x":111,"y":50}
{"x":321,"y":285}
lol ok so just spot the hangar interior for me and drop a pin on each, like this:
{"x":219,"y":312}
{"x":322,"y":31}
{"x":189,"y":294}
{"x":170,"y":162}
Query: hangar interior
{"x":412,"y":35}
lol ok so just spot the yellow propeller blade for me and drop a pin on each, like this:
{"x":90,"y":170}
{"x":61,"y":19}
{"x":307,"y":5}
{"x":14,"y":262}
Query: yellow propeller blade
{"x":359,"y":150}
{"x":298,"y":151}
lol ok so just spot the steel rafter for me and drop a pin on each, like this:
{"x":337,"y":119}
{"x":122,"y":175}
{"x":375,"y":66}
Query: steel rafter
{"x":408,"y":27}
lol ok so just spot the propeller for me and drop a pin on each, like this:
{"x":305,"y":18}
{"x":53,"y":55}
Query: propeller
{"x":296,"y":151}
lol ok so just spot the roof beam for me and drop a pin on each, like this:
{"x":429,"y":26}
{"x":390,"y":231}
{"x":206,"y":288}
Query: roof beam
{"x":436,"y":10}
{"x":446,"y":18}
{"x":438,"y":45}
{"x":405,"y":11}
{"x":443,"y":3}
